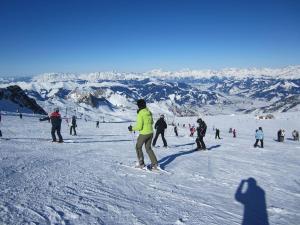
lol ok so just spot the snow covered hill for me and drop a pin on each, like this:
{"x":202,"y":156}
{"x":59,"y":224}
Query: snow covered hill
{"x":13,"y":98}
{"x":88,"y":179}
{"x":181,"y":93}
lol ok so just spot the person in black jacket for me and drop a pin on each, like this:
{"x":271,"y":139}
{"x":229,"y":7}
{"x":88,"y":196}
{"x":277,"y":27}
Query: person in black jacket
{"x":73,"y":126}
{"x":217,"y":134}
{"x":201,"y":130}
{"x":56,"y":125}
{"x":160,"y":127}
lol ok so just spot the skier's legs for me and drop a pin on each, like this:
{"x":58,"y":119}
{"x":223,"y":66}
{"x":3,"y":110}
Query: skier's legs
{"x":71,"y":129}
{"x":53,"y":133}
{"x":0,"y":133}
{"x":139,"y":152}
{"x":198,"y":144}
{"x":261,"y":143}
{"x":163,"y":138}
{"x":202,"y":142}
{"x":256,"y":142}
{"x":149,"y":150}
{"x":60,"y":139}
{"x":155,"y":138}
{"x":74,"y":128}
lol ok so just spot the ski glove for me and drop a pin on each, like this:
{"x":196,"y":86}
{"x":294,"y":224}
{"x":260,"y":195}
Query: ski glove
{"x":130,"y":128}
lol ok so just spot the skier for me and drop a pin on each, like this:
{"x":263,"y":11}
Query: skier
{"x":175,"y":130}
{"x":259,"y":136}
{"x":160,"y":127}
{"x":295,"y":135}
{"x":201,"y":130}
{"x":145,"y":127}
{"x":234,"y":133}
{"x":73,"y":126}
{"x":192,"y":131}
{"x":97,"y":124}
{"x":20,"y":115}
{"x":56,"y":125}
{"x":217,"y":134}
{"x":280,"y":135}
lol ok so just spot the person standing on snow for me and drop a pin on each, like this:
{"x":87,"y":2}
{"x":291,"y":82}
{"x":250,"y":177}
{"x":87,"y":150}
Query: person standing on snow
{"x":176,"y":131}
{"x":259,"y":136}
{"x":56,"y":125}
{"x":217,"y":134}
{"x":160,"y":127}
{"x":73,"y":126}
{"x":144,"y":125}
{"x":97,"y":124}
{"x":234,"y":133}
{"x":201,"y":130}
{"x":295,"y":135}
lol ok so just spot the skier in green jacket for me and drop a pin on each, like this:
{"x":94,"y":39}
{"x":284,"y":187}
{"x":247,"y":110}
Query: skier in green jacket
{"x":144,"y":125}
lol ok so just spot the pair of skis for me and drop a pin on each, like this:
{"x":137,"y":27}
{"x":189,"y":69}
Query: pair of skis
{"x":147,"y":169}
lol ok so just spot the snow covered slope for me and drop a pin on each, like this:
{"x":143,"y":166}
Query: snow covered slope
{"x":87,"y":179}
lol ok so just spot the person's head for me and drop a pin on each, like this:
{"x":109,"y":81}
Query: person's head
{"x":162,"y":116}
{"x":199,"y":120}
{"x":260,"y":128}
{"x":251,"y":182}
{"x":56,"y":109}
{"x":141,"y":103}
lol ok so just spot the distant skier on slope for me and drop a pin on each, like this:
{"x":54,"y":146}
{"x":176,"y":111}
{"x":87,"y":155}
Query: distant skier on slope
{"x":295,"y":135}
{"x":192,"y":131}
{"x":97,"y":124}
{"x":176,"y":131}
{"x":160,"y":127}
{"x":201,"y":130}
{"x":259,"y":136}
{"x":56,"y":125}
{"x":217,"y":136}
{"x":234,"y":133}
{"x":280,"y":135}
{"x":73,"y":125}
{"x":144,"y":125}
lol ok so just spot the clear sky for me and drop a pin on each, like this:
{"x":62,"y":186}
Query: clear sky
{"x":39,"y":36}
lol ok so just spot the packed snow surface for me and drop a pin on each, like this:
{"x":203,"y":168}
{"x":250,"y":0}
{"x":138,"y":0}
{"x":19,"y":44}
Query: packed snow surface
{"x":89,"y":179}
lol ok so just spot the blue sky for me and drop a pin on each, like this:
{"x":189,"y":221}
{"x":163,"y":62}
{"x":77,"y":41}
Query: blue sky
{"x":39,"y":36}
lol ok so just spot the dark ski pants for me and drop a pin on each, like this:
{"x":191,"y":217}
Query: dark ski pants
{"x":217,"y":136}
{"x":57,"y":130}
{"x":162,"y":133}
{"x":0,"y":133}
{"x":145,"y":139}
{"x":176,"y":133}
{"x":200,"y":143}
{"x":73,"y":128}
{"x":261,"y":143}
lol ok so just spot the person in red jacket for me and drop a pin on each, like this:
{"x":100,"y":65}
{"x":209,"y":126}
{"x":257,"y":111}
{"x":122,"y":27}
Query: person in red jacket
{"x":56,"y":125}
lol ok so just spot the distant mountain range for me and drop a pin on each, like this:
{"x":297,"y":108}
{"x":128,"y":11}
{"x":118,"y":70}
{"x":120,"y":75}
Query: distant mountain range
{"x":182,"y":93}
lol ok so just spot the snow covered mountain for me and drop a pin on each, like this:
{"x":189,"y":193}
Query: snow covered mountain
{"x":182,"y":93}
{"x":14,"y":98}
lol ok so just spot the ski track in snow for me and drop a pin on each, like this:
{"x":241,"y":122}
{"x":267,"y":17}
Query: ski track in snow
{"x":83,"y":180}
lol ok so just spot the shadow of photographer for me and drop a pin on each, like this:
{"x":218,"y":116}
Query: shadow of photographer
{"x":254,"y":201}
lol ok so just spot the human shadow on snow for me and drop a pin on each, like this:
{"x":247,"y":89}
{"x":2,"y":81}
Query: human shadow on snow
{"x":79,"y":142}
{"x":214,"y":146}
{"x":168,"y":159}
{"x":254,"y":201}
{"x":184,"y":144}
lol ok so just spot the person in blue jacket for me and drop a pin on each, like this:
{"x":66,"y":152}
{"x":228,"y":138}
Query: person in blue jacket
{"x":259,"y":136}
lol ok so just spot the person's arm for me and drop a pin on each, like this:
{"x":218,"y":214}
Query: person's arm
{"x":139,"y":123}
{"x":239,"y":196}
